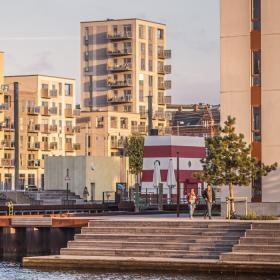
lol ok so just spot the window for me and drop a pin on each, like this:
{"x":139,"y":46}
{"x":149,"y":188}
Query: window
{"x":114,"y":122}
{"x":256,"y":14}
{"x":143,"y":48}
{"x":141,"y":32}
{"x":99,"y":122}
{"x":31,"y":179}
{"x":67,"y":89}
{"x":124,"y":123}
{"x":256,"y":68}
{"x":45,"y":86}
{"x":127,"y":29}
{"x":150,"y":65}
{"x":150,"y":81}
{"x":127,"y":108}
{"x":143,"y":64}
{"x":256,"y":114}
{"x":150,"y":33}
{"x":150,"y":49}
{"x":141,"y":95}
{"x":68,"y":106}
{"x":160,"y":34}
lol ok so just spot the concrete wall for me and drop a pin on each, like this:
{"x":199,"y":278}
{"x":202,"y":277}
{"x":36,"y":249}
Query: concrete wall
{"x":104,"y":172}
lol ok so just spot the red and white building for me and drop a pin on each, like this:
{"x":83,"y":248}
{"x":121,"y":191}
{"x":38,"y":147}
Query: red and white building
{"x":162,"y":149}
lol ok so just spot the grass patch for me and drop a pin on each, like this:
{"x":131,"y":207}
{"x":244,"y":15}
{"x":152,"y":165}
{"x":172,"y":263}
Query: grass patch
{"x":254,"y":216}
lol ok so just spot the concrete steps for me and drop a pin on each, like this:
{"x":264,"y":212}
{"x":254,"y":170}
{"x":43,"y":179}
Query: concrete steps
{"x":261,"y":243}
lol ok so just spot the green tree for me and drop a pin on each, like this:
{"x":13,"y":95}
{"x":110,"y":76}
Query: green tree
{"x":229,"y":162}
{"x":135,"y":152}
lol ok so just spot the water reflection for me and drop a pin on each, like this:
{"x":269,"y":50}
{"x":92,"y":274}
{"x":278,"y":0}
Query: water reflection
{"x":14,"y":271}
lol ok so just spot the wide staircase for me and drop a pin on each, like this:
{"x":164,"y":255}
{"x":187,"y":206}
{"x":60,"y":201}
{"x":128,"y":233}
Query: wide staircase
{"x":53,"y":197}
{"x":261,"y":243}
{"x":157,"y":239}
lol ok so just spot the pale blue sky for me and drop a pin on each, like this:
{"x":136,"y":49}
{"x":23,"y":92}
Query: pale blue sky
{"x":42,"y":36}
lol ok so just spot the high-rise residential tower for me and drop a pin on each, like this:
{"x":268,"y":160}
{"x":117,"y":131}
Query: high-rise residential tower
{"x":123,"y":66}
{"x":250,"y":83}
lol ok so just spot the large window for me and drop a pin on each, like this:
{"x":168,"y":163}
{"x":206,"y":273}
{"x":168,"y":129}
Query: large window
{"x":256,"y":68}
{"x":67,"y":89}
{"x":256,"y":115}
{"x":256,"y":14}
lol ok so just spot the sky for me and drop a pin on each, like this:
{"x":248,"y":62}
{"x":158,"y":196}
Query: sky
{"x":42,"y":37}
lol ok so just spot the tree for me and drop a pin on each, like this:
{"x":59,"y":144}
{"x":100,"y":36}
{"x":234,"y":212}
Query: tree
{"x":229,"y":162}
{"x":135,"y":152}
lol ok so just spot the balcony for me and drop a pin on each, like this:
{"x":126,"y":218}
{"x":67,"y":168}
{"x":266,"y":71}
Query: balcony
{"x":164,"y":54}
{"x":120,"y":84}
{"x":45,"y":111}
{"x":33,"y":128}
{"x":7,"y":126}
{"x":118,"y":144}
{"x":142,"y":129}
{"x":164,"y":85}
{"x":8,"y":144}
{"x":68,"y":113}
{"x":33,"y":146}
{"x":69,"y":130}
{"x":69,"y":147}
{"x":120,"y":67}
{"x":44,"y":146}
{"x":33,"y":163}
{"x":34,"y":110}
{"x":53,"y":145}
{"x":45,"y":93}
{"x":7,"y":162}
{"x":53,"y":128}
{"x":45,"y":128}
{"x":77,"y":146}
{"x":119,"y":99}
{"x":143,"y":115}
{"x":164,"y":69}
{"x":116,"y":36}
{"x":4,"y":107}
{"x":119,"y":52}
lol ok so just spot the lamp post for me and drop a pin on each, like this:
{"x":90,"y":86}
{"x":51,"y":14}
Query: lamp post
{"x":178,"y":186}
{"x":67,"y":179}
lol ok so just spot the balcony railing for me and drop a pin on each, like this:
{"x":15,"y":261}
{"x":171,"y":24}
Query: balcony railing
{"x":53,"y":145}
{"x":6,"y":126}
{"x":69,"y":130}
{"x":8,"y":144}
{"x":120,"y":67}
{"x":143,"y":115}
{"x":33,"y":128}
{"x":45,"y":93}
{"x":120,"y":99}
{"x":142,"y":129}
{"x":164,"y":54}
{"x":45,"y":111}
{"x":45,"y":128}
{"x":44,"y":146}
{"x":68,"y":113}
{"x":164,"y":69}
{"x":164,"y":85}
{"x":120,"y":84}
{"x":7,"y":162}
{"x":33,"y":163}
{"x":4,"y":106}
{"x":69,"y":147}
{"x":119,"y":35}
{"x":34,"y":110}
{"x":119,"y":52}
{"x":53,"y":128}
{"x":33,"y":146}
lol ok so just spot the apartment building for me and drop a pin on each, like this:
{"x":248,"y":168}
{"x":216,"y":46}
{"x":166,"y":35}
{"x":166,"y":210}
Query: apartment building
{"x":250,"y":83}
{"x":46,"y":126}
{"x":123,"y":65}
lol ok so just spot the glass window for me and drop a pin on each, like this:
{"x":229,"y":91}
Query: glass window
{"x":143,"y":64}
{"x":160,"y":34}
{"x":67,"y":89}
{"x":256,"y":14}
{"x":150,"y":81}
{"x":256,"y":123}
{"x":150,"y":49}
{"x":141,"y":32}
{"x":143,"y":48}
{"x":150,"y":33}
{"x":256,"y":68}
{"x":150,"y":65}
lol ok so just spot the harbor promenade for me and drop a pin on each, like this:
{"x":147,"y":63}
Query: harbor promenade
{"x":157,"y":243}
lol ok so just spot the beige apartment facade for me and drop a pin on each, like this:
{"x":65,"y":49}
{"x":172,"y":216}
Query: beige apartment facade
{"x":46,"y":126}
{"x":123,"y":65}
{"x":250,"y":83}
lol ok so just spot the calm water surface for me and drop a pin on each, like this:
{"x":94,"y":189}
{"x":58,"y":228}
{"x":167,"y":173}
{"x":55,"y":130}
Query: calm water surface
{"x":13,"y":271}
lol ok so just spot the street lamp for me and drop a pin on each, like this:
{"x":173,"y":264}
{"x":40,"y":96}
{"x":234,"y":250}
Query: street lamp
{"x":179,"y":123}
{"x":67,"y":179}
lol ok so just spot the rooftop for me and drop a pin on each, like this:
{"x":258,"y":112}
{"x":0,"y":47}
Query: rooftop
{"x":128,"y":19}
{"x":39,"y":75}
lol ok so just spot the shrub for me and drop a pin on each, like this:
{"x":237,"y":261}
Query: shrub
{"x":254,"y":216}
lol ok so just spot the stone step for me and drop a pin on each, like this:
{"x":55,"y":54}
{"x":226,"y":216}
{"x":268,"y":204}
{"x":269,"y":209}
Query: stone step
{"x":250,"y":257}
{"x":146,"y":230}
{"x":151,"y":245}
{"x":259,"y":240}
{"x":257,"y":248}
{"x":140,"y":253}
{"x":175,"y":224}
{"x":271,"y":225}
{"x":156,"y":238}
{"x":263,"y":233}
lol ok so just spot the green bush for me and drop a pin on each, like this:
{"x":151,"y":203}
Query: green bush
{"x":254,"y":216}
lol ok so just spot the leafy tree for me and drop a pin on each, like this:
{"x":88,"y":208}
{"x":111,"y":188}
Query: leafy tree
{"x":228,"y":161}
{"x":135,"y":152}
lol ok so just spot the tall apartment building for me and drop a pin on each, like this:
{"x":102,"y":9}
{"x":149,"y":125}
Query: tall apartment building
{"x":46,"y":126}
{"x":250,"y":83}
{"x":122,"y":63}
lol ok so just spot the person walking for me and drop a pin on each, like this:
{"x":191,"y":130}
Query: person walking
{"x":192,"y":202}
{"x":209,"y":197}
